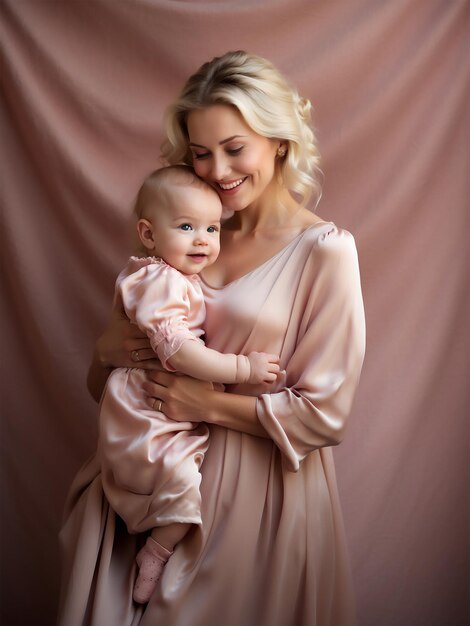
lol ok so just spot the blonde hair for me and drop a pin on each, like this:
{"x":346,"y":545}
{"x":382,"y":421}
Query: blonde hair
{"x":268,"y":104}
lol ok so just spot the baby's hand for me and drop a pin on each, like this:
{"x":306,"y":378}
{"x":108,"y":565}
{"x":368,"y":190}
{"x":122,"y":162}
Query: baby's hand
{"x":264,"y":368}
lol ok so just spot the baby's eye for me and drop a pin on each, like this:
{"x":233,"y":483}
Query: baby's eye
{"x":212,"y":229}
{"x":185,"y":227}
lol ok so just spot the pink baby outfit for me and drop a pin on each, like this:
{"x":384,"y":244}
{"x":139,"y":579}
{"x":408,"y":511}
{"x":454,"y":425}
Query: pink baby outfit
{"x":149,"y":463}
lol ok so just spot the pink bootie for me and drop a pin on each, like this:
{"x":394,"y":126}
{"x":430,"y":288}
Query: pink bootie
{"x":151,"y":561}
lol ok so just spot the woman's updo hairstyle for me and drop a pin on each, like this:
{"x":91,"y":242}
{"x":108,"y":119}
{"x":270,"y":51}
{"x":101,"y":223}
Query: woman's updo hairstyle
{"x":267,"y":103}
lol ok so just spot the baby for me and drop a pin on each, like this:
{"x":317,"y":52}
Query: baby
{"x":150,"y":463}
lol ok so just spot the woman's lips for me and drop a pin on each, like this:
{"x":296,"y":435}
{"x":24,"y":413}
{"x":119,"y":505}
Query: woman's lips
{"x":230,"y":187}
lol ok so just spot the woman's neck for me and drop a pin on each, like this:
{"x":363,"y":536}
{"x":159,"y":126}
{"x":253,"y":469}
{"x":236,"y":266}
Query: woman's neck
{"x":270,"y":213}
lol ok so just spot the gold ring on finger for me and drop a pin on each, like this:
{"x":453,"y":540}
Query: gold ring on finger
{"x":135,"y":356}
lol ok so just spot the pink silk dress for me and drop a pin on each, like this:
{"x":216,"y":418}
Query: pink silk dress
{"x":149,"y":463}
{"x":271,"y":548}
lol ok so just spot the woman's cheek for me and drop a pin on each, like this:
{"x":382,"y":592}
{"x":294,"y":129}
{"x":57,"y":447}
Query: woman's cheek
{"x":201,"y":168}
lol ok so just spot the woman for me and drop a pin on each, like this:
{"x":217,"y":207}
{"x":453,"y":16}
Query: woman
{"x":271,"y":549}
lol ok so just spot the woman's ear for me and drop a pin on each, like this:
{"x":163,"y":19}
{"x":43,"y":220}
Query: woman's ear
{"x":146,"y":234}
{"x":282,"y":150}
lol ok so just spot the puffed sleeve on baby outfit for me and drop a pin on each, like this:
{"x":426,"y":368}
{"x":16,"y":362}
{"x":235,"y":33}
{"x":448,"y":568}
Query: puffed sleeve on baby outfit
{"x":165,"y":304}
{"x":311,"y":409}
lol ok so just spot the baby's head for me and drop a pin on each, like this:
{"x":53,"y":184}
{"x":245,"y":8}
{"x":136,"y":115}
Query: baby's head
{"x":179,"y":219}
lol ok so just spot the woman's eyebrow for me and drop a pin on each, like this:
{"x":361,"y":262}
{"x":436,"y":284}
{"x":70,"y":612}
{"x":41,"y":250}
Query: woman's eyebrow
{"x":198,"y":145}
{"x":230,"y":139}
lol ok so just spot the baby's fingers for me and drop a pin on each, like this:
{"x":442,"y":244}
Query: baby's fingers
{"x":270,"y":377}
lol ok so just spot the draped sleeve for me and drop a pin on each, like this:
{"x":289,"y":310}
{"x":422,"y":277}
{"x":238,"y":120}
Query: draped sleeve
{"x":311,"y":410}
{"x":166,"y":305}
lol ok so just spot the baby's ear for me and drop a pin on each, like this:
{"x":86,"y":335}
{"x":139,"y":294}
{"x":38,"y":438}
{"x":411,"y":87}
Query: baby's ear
{"x":145,"y":232}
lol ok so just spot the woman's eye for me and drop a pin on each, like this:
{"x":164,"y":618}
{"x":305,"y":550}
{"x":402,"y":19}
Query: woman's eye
{"x":197,"y":156}
{"x":234,"y":151}
{"x":185,"y":227}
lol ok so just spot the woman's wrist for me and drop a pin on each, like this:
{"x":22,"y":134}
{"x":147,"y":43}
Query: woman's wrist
{"x":234,"y":411}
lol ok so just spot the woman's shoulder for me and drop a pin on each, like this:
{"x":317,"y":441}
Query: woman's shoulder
{"x":326,"y":234}
{"x":326,"y":241}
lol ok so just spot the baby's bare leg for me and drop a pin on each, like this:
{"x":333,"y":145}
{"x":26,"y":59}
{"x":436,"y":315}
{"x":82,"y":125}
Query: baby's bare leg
{"x":153,"y":557}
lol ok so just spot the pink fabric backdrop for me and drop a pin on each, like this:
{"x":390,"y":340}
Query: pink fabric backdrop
{"x":85,"y":85}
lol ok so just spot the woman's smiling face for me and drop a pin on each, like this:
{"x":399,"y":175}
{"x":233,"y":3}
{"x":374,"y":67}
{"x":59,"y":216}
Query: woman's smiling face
{"x":230,"y":156}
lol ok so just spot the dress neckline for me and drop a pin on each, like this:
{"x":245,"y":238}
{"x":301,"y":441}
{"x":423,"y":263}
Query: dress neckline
{"x":272,"y":258}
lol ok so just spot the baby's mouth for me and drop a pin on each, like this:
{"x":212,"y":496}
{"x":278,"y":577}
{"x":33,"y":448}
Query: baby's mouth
{"x":197,"y":255}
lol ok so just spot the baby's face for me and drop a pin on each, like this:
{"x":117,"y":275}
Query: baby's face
{"x":187,"y":229}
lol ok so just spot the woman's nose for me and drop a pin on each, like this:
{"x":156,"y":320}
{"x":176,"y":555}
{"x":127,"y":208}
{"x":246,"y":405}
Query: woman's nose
{"x":220,"y":168}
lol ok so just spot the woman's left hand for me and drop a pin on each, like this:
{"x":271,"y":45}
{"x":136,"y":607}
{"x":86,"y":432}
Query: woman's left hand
{"x":182,"y":398}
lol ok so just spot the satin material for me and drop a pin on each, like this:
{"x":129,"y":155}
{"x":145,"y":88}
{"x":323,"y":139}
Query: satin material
{"x":150,"y":464}
{"x":271,"y":549}
{"x":167,"y":305}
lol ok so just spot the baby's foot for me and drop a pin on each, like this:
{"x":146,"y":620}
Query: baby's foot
{"x":151,"y":561}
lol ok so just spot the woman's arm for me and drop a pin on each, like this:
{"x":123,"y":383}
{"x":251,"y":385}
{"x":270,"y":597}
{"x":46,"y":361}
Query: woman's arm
{"x":97,"y":376}
{"x":311,"y":410}
{"x":185,"y":398}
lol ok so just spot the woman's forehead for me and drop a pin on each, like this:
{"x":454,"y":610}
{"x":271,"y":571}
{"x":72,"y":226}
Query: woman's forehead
{"x":219,"y":121}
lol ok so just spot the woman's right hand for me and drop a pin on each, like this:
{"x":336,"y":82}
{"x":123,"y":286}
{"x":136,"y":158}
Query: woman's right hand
{"x":123,"y":344}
